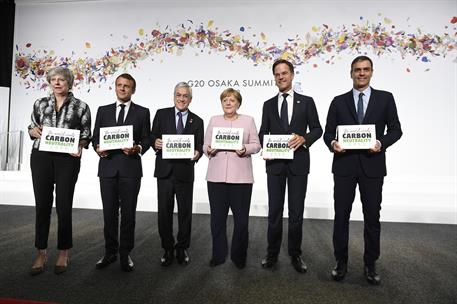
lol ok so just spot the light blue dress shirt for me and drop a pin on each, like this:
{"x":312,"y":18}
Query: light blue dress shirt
{"x":366,"y":98}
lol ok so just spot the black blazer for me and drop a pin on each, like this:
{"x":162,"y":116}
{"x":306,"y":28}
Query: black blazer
{"x":381,"y":112}
{"x":165,"y":123}
{"x":117,"y":162}
{"x":304,"y":118}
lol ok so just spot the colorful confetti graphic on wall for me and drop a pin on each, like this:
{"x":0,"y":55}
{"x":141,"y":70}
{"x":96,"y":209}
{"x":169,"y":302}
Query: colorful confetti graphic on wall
{"x":322,"y":41}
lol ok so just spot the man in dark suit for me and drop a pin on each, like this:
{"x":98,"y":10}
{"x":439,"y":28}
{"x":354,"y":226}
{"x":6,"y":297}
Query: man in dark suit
{"x":367,"y":168}
{"x":175,"y":177}
{"x":120,"y":172}
{"x":288,"y":113}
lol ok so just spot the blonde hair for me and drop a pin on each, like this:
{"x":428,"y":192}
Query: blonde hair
{"x":231,"y":92}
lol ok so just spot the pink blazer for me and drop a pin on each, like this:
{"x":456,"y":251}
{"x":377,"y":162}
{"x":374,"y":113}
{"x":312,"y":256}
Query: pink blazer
{"x":227,"y":166}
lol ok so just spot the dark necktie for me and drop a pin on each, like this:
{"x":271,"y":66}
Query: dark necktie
{"x":284,"y":116}
{"x":180,"y":126}
{"x":360,"y":108}
{"x":120,"y":117}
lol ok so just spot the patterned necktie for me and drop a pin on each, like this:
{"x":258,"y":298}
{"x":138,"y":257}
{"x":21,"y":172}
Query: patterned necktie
{"x":360,"y":109}
{"x":180,"y":126}
{"x":284,"y":116}
{"x":120,"y":117}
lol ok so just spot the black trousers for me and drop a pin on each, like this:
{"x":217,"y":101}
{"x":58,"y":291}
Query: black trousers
{"x":296,"y":185}
{"x":371,"y":197}
{"x":167,"y":189}
{"x":119,"y":193}
{"x":237,"y":197}
{"x":61,"y":169}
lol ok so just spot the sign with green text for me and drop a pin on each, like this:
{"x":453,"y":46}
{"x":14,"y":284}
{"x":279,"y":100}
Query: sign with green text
{"x":59,"y":140}
{"x":227,"y":138}
{"x":113,"y":138}
{"x":356,"y":136}
{"x":177,"y":146}
{"x":277,"y":147}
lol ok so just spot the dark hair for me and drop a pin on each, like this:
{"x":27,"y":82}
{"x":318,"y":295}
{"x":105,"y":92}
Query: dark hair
{"x":129,"y":77}
{"x":279,"y":61}
{"x":231,"y":92}
{"x":361,"y":58}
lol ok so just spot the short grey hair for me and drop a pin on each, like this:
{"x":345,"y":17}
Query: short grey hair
{"x":183,"y":84}
{"x":62,"y":71}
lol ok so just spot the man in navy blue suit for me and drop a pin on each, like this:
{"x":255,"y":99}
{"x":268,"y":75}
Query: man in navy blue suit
{"x":366,"y":168}
{"x":120,"y":172}
{"x":288,"y":113}
{"x":175,"y":177}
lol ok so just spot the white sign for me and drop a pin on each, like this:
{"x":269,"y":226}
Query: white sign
{"x":227,"y":138}
{"x":356,"y":136}
{"x":59,"y":140}
{"x":112,"y":138}
{"x":277,"y":147}
{"x":177,"y":146}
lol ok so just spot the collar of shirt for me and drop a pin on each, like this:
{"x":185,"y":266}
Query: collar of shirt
{"x":126,"y":109}
{"x":68,"y":99}
{"x":184,"y":117}
{"x":290,"y":103}
{"x":366,"y":97}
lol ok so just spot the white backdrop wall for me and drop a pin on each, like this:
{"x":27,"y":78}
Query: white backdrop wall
{"x":412,"y":44}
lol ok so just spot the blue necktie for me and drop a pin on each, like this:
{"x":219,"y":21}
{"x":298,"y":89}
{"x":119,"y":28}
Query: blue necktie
{"x":120,"y":117}
{"x":180,"y":126}
{"x":360,"y":109}
{"x":284,"y":116}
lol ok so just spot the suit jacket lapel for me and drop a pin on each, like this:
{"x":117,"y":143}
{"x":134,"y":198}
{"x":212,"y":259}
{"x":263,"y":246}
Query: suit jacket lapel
{"x":296,"y":104}
{"x":351,"y":105}
{"x":274,"y":110}
{"x":171,"y":121}
{"x":189,"y":122}
{"x":112,"y":115}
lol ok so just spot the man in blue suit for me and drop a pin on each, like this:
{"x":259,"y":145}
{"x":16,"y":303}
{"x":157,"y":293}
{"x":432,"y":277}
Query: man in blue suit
{"x":366,"y":168}
{"x":120,"y":172}
{"x":288,"y":113}
{"x":175,"y":177}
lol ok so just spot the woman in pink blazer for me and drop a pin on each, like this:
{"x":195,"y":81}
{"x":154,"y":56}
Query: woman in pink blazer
{"x":230,"y":181}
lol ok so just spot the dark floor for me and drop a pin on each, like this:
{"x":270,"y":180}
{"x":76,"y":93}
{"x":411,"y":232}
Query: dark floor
{"x":418,"y":265}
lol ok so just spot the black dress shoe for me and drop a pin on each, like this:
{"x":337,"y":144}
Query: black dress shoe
{"x":371,"y":275}
{"x":182,"y":256}
{"x":269,"y":261}
{"x":240,"y":265}
{"x":298,"y":263}
{"x":167,"y":258}
{"x":214,"y":263}
{"x":340,"y":270}
{"x":105,"y":261}
{"x":126,"y":263}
